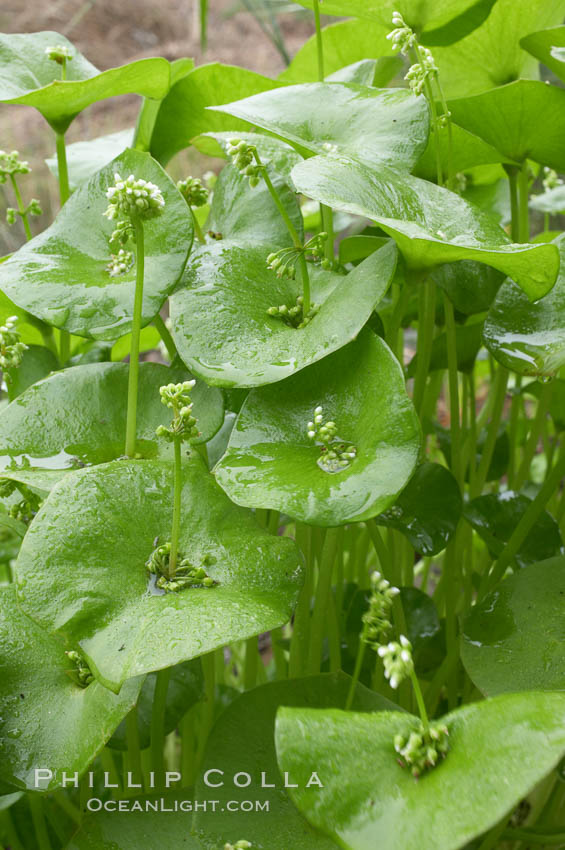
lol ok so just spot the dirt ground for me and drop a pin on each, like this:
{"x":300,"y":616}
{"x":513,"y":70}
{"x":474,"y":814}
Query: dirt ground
{"x":112,"y":32}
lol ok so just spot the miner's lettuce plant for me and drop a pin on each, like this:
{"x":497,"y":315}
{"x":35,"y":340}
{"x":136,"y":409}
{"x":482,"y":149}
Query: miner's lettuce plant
{"x":312,"y":545}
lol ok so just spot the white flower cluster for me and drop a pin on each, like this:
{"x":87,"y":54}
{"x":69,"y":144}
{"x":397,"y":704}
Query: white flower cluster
{"x":59,"y":53}
{"x":242,"y":844}
{"x":11,"y":347}
{"x":376,"y":619}
{"x":397,"y":660}
{"x":183,"y":426}
{"x":402,"y":38}
{"x":120,"y":263}
{"x":134,"y":198}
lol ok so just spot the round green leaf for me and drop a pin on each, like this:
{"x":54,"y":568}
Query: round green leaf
{"x":61,"y":276}
{"x":185,"y":689}
{"x":271,"y":463}
{"x":492,"y":55}
{"x":548,"y":46}
{"x":513,"y":639}
{"x":430,"y":224}
{"x":374,"y":125}
{"x":243,"y":741}
{"x":428,"y":509}
{"x":47,"y":720}
{"x":556,"y":399}
{"x":78,"y":416}
{"x":81,"y":570}
{"x":495,"y":516}
{"x":523,"y":120}
{"x":183,"y":113}
{"x":528,"y":338}
{"x":471,"y":287}
{"x":29,"y":77}
{"x":373,"y":802}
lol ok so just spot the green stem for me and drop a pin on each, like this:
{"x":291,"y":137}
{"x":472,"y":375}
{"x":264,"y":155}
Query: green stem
{"x":62,"y":167}
{"x":326,"y":214}
{"x":8,"y":831}
{"x":251,"y":663}
{"x":499,"y":396}
{"x":64,"y":346}
{"x":67,"y":806}
{"x":322,"y":601}
{"x":281,"y":666}
{"x":534,"y":436}
{"x":177,"y":492}
{"x":165,"y":335}
{"x":319,"y":43}
{"x":515,"y":408}
{"x":38,"y":818}
{"x":357,"y":671}
{"x":524,"y":215}
{"x":447,"y":114}
{"x":527,"y":522}
{"x":133,"y":751}
{"x":493,"y":835}
{"x":512,"y":173}
{"x":197,"y":229}
{"x":305,"y":284}
{"x":63,"y":69}
{"x":21,"y":208}
{"x":135,"y":332}
{"x":420,"y":701}
{"x":426,"y":324}
{"x":451,"y":337}
{"x":158,"y":726}
{"x":531,"y":836}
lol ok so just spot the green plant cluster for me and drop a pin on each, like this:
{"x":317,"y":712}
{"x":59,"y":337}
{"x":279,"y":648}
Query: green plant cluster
{"x":312,"y":543}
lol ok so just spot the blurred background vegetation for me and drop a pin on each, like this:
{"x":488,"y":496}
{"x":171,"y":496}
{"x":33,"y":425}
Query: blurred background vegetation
{"x":261,"y":35}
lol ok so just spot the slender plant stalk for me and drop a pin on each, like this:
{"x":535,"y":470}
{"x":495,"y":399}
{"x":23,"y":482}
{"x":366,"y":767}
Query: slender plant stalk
{"x":319,"y":41}
{"x":8,"y":830}
{"x":323,"y":592}
{"x":64,"y":192}
{"x":356,"y":672}
{"x":135,"y":332}
{"x":133,"y":751}
{"x":420,"y":701}
{"x":21,"y":207}
{"x":512,"y":173}
{"x":38,"y":818}
{"x":67,"y":806}
{"x":426,"y":324}
{"x":531,"y":837}
{"x":251,"y":663}
{"x":165,"y":335}
{"x":158,"y":726}
{"x":523,"y":212}
{"x":177,"y":493}
{"x":197,"y":229}
{"x":534,"y":436}
{"x":451,"y":338}
{"x":499,"y":397}
{"x":326,"y":214}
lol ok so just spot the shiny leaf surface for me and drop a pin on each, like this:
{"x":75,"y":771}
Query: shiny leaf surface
{"x":430,"y":224}
{"x":548,"y":46}
{"x":513,"y":639}
{"x":47,"y":720}
{"x":82,"y":574}
{"x":270,"y":461}
{"x":61,"y":275}
{"x":487,"y":771}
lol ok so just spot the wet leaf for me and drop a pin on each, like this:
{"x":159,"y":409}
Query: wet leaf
{"x":48,"y":720}
{"x":375,"y":125}
{"x":81,"y":570}
{"x":485,"y":774}
{"x":495,"y":516}
{"x":271,"y":463}
{"x":428,"y":509}
{"x":523,"y":120}
{"x":513,"y":639}
{"x":29,"y":77}
{"x":183,"y":113}
{"x":78,"y":416}
{"x":243,"y":741}
{"x":528,"y":338}
{"x":61,"y":275}
{"x":219,"y":316}
{"x":37,"y":362}
{"x":548,"y":46}
{"x":471,"y":286}
{"x":430,"y":225}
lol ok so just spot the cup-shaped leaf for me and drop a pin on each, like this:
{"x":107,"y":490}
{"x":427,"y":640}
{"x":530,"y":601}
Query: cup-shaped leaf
{"x":242,"y":741}
{"x":184,"y":114}
{"x":61,"y":276}
{"x":374,"y":125}
{"x":82,"y":571}
{"x":428,"y":509}
{"x":47,"y":719}
{"x":548,"y":46}
{"x":492,"y":55}
{"x":528,"y":338}
{"x":494,"y":517}
{"x":523,"y":120}
{"x":29,"y":77}
{"x":220,"y":322}
{"x":78,"y":416}
{"x":271,"y":462}
{"x":513,"y":639}
{"x":374,"y":802}
{"x":431,"y":225}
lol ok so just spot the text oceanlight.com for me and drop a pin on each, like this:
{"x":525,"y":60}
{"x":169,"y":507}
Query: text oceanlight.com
{"x":95,"y":804}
